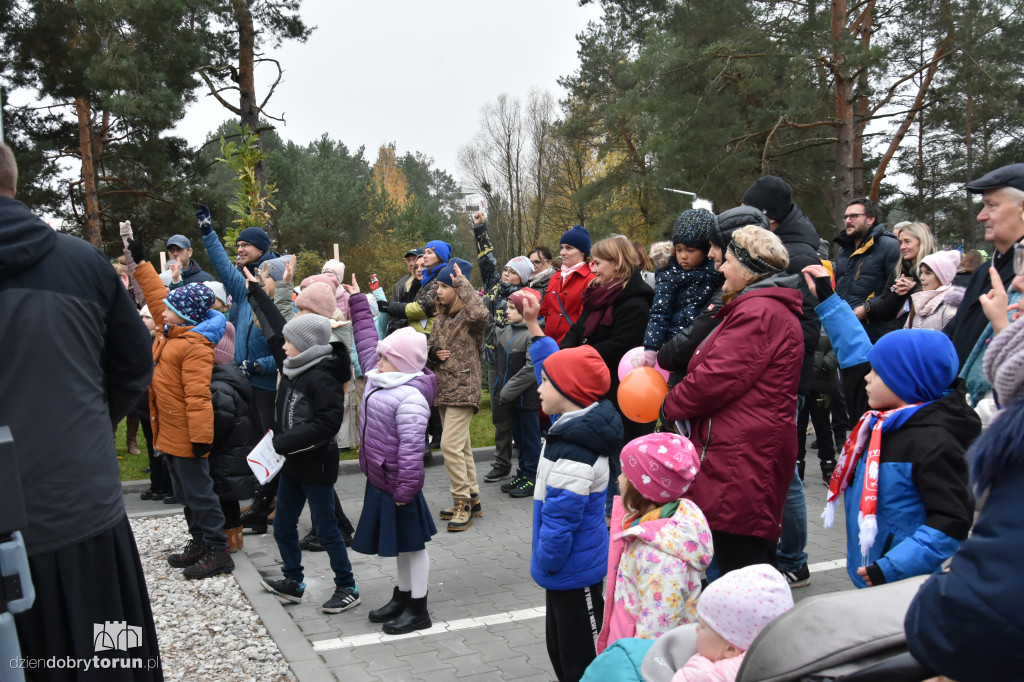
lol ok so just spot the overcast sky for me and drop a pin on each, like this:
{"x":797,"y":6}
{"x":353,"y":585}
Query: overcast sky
{"x":412,"y":73}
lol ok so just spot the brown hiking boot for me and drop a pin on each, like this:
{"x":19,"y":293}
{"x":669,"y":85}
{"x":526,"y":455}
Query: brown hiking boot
{"x":235,"y":541}
{"x":476,"y":510}
{"x":462,"y":517}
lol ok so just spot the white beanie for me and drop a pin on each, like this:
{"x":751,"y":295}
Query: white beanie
{"x":523,"y":267}
{"x":741,"y":603}
{"x":219,"y":291}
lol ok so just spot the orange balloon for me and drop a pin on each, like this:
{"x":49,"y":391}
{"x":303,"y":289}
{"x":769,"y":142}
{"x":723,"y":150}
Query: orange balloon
{"x":641,"y":393}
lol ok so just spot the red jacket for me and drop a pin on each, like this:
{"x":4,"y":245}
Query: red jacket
{"x":741,"y":387}
{"x":570,"y":292}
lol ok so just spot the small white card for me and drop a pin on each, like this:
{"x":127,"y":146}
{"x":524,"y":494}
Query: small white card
{"x":264,"y":460}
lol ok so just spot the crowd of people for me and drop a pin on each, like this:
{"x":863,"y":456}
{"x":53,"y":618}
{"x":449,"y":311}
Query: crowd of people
{"x":898,"y":352}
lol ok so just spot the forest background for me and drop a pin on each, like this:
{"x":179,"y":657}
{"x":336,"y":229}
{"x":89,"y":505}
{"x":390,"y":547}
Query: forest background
{"x":903,"y":101}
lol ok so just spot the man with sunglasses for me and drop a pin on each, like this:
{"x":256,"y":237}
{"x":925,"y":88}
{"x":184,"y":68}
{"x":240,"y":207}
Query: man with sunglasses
{"x":868,"y":252}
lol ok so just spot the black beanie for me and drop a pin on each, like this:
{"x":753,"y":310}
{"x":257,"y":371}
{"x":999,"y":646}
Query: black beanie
{"x":771,"y":194}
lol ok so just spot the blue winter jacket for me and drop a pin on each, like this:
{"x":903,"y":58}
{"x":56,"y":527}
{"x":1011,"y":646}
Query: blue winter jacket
{"x":862,"y":271}
{"x":570,"y":539}
{"x":249,"y":341}
{"x":621,"y":661}
{"x":679,"y":297}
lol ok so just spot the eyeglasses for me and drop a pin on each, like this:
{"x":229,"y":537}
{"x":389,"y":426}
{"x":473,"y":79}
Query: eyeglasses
{"x":853,"y":216}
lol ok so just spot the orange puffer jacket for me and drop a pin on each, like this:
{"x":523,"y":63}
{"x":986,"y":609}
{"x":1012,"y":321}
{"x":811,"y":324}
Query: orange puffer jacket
{"x":180,"y":406}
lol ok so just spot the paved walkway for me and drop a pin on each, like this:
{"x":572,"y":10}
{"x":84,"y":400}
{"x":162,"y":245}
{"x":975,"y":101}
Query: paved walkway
{"x":488,"y":614}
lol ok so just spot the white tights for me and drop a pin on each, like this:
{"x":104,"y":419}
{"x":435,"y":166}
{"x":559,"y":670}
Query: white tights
{"x":413,"y":571}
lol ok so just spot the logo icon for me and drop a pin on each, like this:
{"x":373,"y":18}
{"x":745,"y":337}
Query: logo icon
{"x":116,"y":635}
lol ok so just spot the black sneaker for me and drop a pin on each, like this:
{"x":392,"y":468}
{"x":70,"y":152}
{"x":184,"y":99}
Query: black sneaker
{"x":286,"y":588}
{"x":524,"y":489}
{"x":497,"y":473}
{"x":798,"y":578}
{"x":827,"y":467}
{"x":188,"y":555}
{"x":343,"y":600}
{"x":151,"y":495}
{"x":514,"y":483}
{"x":170,"y":499}
{"x":145,"y":471}
{"x":212,"y":562}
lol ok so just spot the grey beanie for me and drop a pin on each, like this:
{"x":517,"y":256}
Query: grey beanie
{"x":729,"y":221}
{"x":1004,"y":363}
{"x":306,"y":331}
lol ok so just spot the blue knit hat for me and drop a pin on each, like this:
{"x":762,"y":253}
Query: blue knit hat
{"x":255,"y":236}
{"x":577,"y":237}
{"x":446,"y":275}
{"x":916,"y":364}
{"x":191,"y":302}
{"x":693,"y":228}
{"x":442,"y":249}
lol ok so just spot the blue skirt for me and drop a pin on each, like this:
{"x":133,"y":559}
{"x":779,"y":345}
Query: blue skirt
{"x":385,"y":529}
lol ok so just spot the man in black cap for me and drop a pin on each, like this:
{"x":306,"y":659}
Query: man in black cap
{"x":179,"y":246}
{"x":403,"y":284}
{"x":774,"y":197}
{"x":1002,"y":212}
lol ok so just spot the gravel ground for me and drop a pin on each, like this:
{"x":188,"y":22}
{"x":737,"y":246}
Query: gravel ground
{"x":207,"y":628}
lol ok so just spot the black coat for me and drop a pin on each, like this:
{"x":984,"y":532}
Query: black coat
{"x":630,"y":314}
{"x":234,"y":433}
{"x":799,"y":236}
{"x":887,"y":309}
{"x":76,"y":357}
{"x":966,"y":327}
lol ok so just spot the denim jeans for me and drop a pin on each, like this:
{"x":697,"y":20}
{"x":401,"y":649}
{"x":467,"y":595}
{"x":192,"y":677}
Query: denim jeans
{"x":794,"y":519}
{"x":291,"y":498}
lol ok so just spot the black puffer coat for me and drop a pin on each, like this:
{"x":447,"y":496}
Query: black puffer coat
{"x":234,"y":434}
{"x":799,"y":236}
{"x":862,"y":271}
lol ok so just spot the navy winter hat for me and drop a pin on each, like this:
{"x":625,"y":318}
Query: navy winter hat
{"x":577,"y":237}
{"x":693,"y":228}
{"x":442,"y":249}
{"x":179,"y":240}
{"x":448,"y":273}
{"x":771,"y":194}
{"x":729,"y":221}
{"x":191,"y":302}
{"x":1007,"y":176}
{"x":255,"y":236}
{"x":916,"y":364}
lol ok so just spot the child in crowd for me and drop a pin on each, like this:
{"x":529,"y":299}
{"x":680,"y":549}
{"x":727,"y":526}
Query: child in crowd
{"x":685,"y":284}
{"x":570,"y":539}
{"x":181,"y":413}
{"x":396,"y":407}
{"x":903,"y":467}
{"x":660,"y":253}
{"x":936,"y":304}
{"x":455,"y":344}
{"x":310,"y":404}
{"x":660,"y":542}
{"x":731,"y":613}
{"x":498,"y":286}
{"x":516,"y":390}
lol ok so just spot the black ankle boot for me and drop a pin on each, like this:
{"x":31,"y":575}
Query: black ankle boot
{"x":255,"y":517}
{"x":414,"y":617}
{"x":392,"y":609}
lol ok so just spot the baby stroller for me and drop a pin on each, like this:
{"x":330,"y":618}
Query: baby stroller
{"x":851,"y":636}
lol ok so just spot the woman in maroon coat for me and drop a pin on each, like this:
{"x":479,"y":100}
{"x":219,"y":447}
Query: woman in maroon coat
{"x":739,"y":395}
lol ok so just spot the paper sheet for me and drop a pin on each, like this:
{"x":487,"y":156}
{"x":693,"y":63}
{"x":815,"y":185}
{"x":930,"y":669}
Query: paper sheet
{"x":264,"y":460}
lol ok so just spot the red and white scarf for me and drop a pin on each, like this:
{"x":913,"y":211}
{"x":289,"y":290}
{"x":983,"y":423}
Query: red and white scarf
{"x":868,"y":431}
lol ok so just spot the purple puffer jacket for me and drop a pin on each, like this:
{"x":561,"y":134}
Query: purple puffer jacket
{"x":393,"y":419}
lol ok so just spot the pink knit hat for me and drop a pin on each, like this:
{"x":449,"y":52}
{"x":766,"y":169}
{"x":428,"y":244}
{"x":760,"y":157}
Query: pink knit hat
{"x":224,"y":351}
{"x":661,"y":466}
{"x":327,"y":278}
{"x":943,"y":264}
{"x":406,"y":349}
{"x":336,"y":268}
{"x":741,"y":603}
{"x":317,"y":298}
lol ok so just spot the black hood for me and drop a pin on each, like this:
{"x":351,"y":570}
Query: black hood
{"x":232,"y":375}
{"x":797,"y":228}
{"x":636,"y":286}
{"x":339,"y":364}
{"x":24,"y":238}
{"x":951,"y":414}
{"x":729,"y":221}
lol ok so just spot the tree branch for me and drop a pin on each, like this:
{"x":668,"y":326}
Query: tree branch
{"x":214,"y":91}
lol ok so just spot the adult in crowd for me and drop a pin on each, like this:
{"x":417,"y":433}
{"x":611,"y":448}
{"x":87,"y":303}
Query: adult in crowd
{"x":180,"y":247}
{"x":68,"y":322}
{"x":916,"y":243}
{"x":971,"y":261}
{"x":643,"y":264}
{"x":739,"y":395}
{"x":421,"y":311}
{"x":1002,"y":212}
{"x":563,"y":301}
{"x":868,"y":252}
{"x":403,"y":289}
{"x":774,"y":196}
{"x":542,"y":269}
{"x":615,"y":308}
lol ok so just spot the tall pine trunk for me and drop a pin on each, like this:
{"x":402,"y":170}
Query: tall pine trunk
{"x":85,"y":143}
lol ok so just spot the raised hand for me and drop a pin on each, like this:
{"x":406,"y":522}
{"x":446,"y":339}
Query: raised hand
{"x":174,"y":265}
{"x":203,"y":219}
{"x":995,"y":303}
{"x":353,"y":288}
{"x":479,"y":218}
{"x":457,"y":271}
{"x":812,"y":273}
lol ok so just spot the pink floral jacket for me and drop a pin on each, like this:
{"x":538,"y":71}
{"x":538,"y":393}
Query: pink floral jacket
{"x":654,"y":573}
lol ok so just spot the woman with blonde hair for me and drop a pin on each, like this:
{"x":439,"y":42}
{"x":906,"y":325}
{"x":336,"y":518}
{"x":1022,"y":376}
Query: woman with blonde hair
{"x":616,"y":308}
{"x":893,"y":306}
{"x":739,"y":396}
